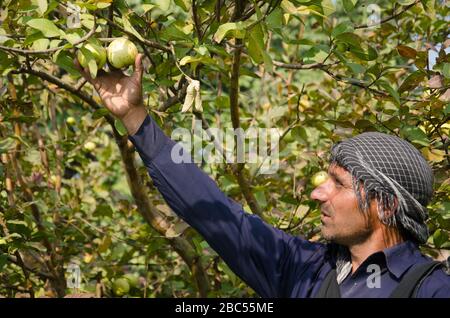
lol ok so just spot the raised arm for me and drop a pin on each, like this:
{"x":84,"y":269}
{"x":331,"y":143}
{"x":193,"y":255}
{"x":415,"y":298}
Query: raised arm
{"x":254,"y":250}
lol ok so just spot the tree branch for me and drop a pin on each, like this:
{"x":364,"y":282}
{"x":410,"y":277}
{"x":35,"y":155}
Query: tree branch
{"x":300,"y":66}
{"x":54,"y":80}
{"x":196,"y":22}
{"x":149,"y":43}
{"x":178,"y":97}
{"x":154,"y":218}
{"x":391,"y":17}
{"x":14,"y":260}
{"x":238,"y":169}
{"x":21,"y":51}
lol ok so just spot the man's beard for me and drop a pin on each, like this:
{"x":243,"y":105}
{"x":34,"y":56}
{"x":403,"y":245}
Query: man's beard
{"x":346,"y":239}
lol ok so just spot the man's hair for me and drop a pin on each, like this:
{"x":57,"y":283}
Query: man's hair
{"x":394,"y":173}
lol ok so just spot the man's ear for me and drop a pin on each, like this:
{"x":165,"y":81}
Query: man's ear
{"x":388,"y":212}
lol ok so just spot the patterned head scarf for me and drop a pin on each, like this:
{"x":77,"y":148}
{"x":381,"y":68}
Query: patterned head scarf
{"x":389,"y":168}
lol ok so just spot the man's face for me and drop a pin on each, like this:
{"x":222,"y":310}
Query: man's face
{"x":342,"y":220}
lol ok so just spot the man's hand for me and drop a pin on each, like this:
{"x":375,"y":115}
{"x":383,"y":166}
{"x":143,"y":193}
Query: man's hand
{"x":121,"y":94}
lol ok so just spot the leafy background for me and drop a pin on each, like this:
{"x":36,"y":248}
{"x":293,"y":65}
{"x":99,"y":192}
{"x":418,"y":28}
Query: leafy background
{"x":315,"y":70}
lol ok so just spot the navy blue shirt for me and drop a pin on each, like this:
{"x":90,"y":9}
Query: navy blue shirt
{"x":272,"y":262}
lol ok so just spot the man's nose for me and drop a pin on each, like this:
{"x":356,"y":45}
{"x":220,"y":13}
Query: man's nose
{"x":321,"y":192}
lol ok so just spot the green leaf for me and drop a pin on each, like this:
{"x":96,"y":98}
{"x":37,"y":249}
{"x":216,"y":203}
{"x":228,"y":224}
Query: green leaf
{"x":217,"y":49}
{"x":47,"y":27}
{"x":356,"y":68}
{"x":415,"y":135}
{"x":19,"y":226}
{"x":65,"y":61}
{"x":189,"y":59}
{"x":231,"y":275}
{"x":120,"y":127}
{"x":90,"y":60}
{"x":128,"y":27}
{"x":3,"y":260}
{"x":275,"y":20}
{"x":72,"y":37}
{"x":267,"y":62}
{"x":147,"y":7}
{"x":299,"y":133}
{"x":7,"y":144}
{"x":87,"y":20}
{"x":439,"y":238}
{"x":362,"y":54}
{"x":412,"y":81}
{"x":163,"y":4}
{"x":195,"y":60}
{"x":30,"y":39}
{"x":33,"y":156}
{"x":349,"y":38}
{"x":371,"y":53}
{"x":103,"y":5}
{"x":237,"y":28}
{"x":392,"y":123}
{"x":447,"y":109}
{"x":5,"y":61}
{"x":342,"y":28}
{"x":390,"y":90}
{"x":92,"y":66}
{"x":287,"y":198}
{"x":405,"y":2}
{"x":301,"y":42}
{"x":184,"y":4}
{"x":446,"y":70}
{"x":41,"y":44}
{"x":328,"y":7}
{"x":288,"y":7}
{"x":374,"y":71}
{"x":42,"y":6}
{"x":349,"y":5}
{"x":172,"y":32}
{"x":315,"y":54}
{"x":105,"y":244}
{"x":363,"y":124}
{"x":421,"y":59}
{"x":255,"y":44}
{"x":99,"y":113}
{"x":202,"y":50}
{"x":259,"y":14}
{"x":103,"y":210}
{"x":260,"y":197}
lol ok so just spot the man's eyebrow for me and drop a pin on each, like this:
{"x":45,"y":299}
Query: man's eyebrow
{"x":336,"y":177}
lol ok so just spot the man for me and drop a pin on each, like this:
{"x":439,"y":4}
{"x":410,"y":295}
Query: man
{"x":373,"y":213}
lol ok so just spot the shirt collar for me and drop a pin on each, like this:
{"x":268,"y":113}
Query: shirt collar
{"x":400,"y":257}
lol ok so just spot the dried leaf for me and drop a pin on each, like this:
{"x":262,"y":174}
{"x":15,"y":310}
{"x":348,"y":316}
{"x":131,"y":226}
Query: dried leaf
{"x":406,"y":51}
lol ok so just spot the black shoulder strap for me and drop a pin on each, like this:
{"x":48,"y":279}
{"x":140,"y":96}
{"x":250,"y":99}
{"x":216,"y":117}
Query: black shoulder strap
{"x":329,"y":287}
{"x":409,"y":285}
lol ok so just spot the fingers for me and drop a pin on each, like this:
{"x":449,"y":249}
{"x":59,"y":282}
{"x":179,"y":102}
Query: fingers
{"x":138,"y":67}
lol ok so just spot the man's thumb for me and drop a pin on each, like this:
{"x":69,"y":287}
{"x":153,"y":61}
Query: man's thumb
{"x":138,"y":67}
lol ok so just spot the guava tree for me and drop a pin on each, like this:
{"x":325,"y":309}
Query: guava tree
{"x":75,"y":195}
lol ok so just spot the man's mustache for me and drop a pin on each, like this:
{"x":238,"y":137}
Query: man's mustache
{"x":324,"y":210}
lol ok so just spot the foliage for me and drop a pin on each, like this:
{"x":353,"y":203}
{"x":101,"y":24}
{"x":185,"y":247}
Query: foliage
{"x":315,"y":70}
